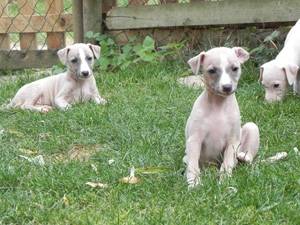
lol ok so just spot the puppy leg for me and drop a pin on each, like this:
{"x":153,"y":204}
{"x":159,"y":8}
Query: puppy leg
{"x":249,"y":143}
{"x":37,"y":108}
{"x":99,"y":100}
{"x":229,"y":161}
{"x":193,"y":150}
{"x":61,"y":103}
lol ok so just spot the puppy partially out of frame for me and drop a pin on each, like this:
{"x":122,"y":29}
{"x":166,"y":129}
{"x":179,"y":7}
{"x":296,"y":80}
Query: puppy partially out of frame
{"x":77,"y":84}
{"x":277,"y":74}
{"x":213,"y":130}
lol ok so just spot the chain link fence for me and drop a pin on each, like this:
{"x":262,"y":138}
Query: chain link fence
{"x":35,"y":24}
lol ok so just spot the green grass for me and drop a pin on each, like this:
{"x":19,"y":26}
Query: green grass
{"x":142,"y":126}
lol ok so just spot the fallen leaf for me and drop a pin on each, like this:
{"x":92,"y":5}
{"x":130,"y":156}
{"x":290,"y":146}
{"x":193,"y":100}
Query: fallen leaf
{"x":296,"y":150}
{"x":131,"y":179}
{"x":96,"y":185}
{"x":66,"y":200}
{"x":94,"y":167}
{"x":111,"y":161}
{"x":15,"y":133}
{"x":193,"y":81}
{"x":44,"y":135}
{"x":28,"y":151}
{"x":278,"y":156}
{"x":232,"y":190}
{"x":152,"y":170}
{"x":38,"y":160}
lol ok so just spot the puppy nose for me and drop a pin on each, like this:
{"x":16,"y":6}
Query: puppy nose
{"x":227,"y":88}
{"x":85,"y":73}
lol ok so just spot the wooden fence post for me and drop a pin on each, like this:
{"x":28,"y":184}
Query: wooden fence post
{"x":92,"y":16}
{"x":27,"y":40}
{"x":55,"y":40}
{"x":107,"y":5}
{"x":4,"y":38}
{"x":77,"y":11}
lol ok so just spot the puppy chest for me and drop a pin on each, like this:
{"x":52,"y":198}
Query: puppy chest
{"x":80,"y":94}
{"x":217,"y":135}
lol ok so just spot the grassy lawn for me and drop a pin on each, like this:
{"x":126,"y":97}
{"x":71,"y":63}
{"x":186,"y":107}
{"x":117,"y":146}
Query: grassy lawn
{"x":143,"y":126}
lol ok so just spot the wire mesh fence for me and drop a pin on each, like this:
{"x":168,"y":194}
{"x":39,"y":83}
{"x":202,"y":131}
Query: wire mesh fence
{"x":35,"y":24}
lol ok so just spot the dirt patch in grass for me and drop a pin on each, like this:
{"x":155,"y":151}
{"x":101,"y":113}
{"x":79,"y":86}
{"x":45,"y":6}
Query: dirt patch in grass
{"x":77,"y":152}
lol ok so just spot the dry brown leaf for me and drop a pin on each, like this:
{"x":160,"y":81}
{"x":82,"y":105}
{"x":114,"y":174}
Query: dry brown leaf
{"x":278,"y":156}
{"x":15,"y":133}
{"x":28,"y":151}
{"x":96,"y":185}
{"x":66,"y":201}
{"x":131,"y":179}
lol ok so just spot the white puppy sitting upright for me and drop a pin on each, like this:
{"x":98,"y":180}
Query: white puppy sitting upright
{"x":213,"y":130}
{"x":76,"y":85}
{"x":281,"y":72}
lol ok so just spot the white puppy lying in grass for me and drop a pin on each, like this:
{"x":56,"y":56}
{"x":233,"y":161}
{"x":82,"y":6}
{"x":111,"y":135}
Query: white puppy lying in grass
{"x":76,"y":85}
{"x":281,"y":72}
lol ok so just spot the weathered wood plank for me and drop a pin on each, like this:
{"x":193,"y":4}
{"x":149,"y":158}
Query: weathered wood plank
{"x":77,"y":8}
{"x":55,"y":40}
{"x":56,"y":23}
{"x":92,"y":16}
{"x":27,"y":59}
{"x":4,"y":38}
{"x":204,"y":14}
{"x":107,"y":5}
{"x":27,"y":40}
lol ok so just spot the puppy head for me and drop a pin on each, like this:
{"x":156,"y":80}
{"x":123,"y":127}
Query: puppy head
{"x":221,"y":68}
{"x":79,"y":58}
{"x":276,"y":79}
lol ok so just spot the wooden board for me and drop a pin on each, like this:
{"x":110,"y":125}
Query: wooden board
{"x":47,"y":23}
{"x":4,"y":38}
{"x":27,"y":40}
{"x":92,"y":17}
{"x":27,"y":59}
{"x":55,"y":40}
{"x":204,"y":14}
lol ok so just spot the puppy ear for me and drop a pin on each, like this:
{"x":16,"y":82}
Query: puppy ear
{"x":196,"y":62}
{"x":261,"y":71}
{"x":241,"y":53}
{"x":291,"y":72}
{"x":63,"y":55}
{"x":96,"y":50}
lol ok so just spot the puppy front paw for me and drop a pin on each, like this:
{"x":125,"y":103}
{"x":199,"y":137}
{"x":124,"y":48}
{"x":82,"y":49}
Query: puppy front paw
{"x":100,"y":101}
{"x":244,"y":157}
{"x":46,"y":109}
{"x":65,"y":107}
{"x":194,"y":183}
{"x":193,"y":180}
{"x":225,"y":173}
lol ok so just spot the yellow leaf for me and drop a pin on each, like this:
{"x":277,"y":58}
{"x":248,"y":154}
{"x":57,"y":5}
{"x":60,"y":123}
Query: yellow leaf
{"x":96,"y":185}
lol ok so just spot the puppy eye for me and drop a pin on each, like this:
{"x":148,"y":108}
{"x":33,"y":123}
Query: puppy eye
{"x":75,"y":60}
{"x":276,"y":85}
{"x":89,"y":58}
{"x":235,"y":69}
{"x":212,"y":71}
